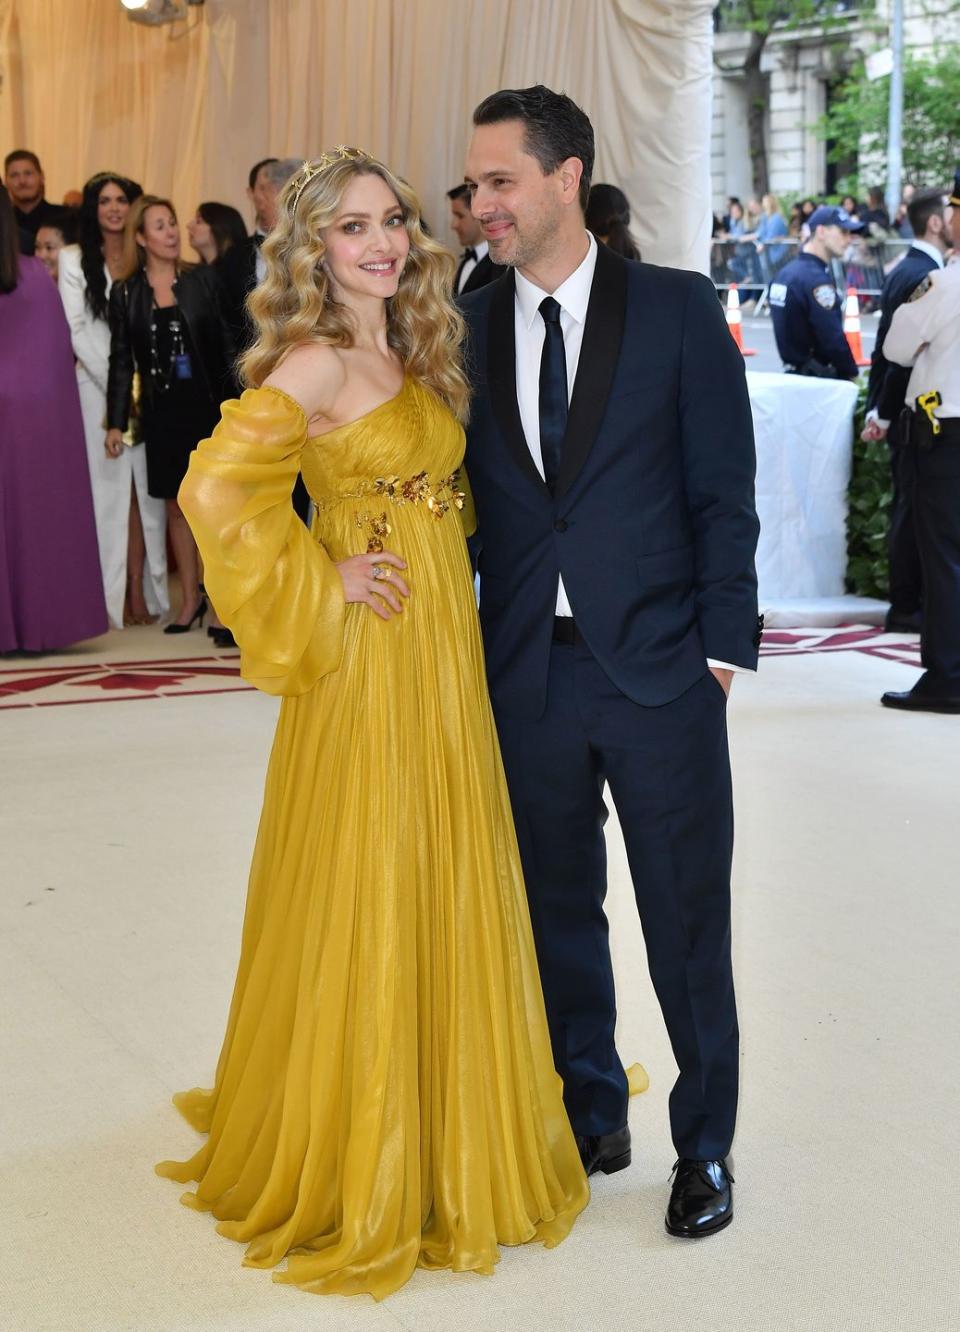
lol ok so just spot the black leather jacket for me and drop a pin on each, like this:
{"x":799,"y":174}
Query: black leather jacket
{"x":131,"y":304}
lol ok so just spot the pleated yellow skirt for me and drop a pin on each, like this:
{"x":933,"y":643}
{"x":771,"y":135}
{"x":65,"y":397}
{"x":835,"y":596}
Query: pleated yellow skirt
{"x":385,"y":1096}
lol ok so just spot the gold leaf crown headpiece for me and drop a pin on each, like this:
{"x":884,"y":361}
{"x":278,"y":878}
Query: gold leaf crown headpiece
{"x":310,"y":169}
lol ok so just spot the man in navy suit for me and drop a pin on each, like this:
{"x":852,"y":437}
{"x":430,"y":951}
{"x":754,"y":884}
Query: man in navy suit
{"x":885,"y":402}
{"x":611,"y":456}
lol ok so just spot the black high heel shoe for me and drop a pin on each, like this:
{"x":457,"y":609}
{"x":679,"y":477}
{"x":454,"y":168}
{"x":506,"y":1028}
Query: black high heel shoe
{"x":198,"y":614}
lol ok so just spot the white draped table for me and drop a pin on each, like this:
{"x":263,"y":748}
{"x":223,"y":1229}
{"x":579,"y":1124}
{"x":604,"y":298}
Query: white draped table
{"x":804,"y":433}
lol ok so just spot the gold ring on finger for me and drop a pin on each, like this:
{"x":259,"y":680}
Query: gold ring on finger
{"x":380,"y":572}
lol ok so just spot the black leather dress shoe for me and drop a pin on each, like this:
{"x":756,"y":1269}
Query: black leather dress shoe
{"x":223,"y":638}
{"x":701,"y":1201}
{"x":608,"y":1153}
{"x":912,"y":700}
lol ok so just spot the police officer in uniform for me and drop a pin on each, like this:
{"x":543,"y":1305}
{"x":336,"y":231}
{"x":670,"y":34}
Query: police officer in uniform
{"x":806,"y":306}
{"x":886,"y":394}
{"x":925,"y":334}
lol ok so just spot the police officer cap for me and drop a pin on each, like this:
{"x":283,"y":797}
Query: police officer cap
{"x":829,"y":216}
{"x":955,"y":196}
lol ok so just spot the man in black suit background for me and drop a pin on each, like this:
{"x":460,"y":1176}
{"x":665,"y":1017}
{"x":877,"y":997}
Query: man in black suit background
{"x":242,"y":267}
{"x":886,"y":392}
{"x":476,"y":268}
{"x":24,"y":179}
{"x":610,"y":451}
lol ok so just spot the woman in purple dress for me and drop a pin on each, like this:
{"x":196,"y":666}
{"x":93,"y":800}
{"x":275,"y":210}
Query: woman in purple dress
{"x":51,"y":594}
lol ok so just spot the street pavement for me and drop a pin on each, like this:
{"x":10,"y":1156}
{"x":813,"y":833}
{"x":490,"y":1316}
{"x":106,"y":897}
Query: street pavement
{"x":758,"y":334}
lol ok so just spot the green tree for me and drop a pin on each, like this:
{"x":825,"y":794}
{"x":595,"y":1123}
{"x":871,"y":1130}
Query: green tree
{"x":856,"y":123}
{"x":761,"y":19}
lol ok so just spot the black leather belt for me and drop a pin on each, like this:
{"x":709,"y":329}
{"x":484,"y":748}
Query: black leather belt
{"x":918,"y":430}
{"x":566,"y":631}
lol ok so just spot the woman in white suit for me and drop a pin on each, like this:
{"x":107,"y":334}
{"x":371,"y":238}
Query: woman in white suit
{"x":131,"y":525}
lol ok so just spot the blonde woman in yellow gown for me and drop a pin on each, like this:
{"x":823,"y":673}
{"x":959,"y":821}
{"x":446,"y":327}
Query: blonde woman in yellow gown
{"x":385,"y":1096}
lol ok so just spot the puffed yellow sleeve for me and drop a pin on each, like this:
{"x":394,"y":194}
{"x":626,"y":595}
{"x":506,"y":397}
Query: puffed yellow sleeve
{"x":273,"y":585}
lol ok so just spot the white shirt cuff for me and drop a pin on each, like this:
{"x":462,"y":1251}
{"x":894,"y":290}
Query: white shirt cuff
{"x":729,"y":666}
{"x":874,"y":415}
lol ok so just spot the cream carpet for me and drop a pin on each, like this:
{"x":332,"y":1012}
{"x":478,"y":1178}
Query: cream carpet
{"x":126,"y":837}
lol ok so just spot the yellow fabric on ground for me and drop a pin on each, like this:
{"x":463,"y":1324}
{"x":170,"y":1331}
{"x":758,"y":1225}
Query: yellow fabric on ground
{"x":637,"y":1079}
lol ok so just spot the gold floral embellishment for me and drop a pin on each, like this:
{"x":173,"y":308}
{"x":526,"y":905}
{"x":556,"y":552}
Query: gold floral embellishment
{"x":438,"y":497}
{"x":379,"y":528}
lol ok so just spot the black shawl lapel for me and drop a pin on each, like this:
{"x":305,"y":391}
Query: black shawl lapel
{"x":502,"y":376}
{"x":599,"y":354}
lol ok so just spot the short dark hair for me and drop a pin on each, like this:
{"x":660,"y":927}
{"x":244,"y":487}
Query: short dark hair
{"x":67,"y":223}
{"x":459,"y":192}
{"x":608,"y":217}
{"x":924,"y":205}
{"x":21,"y":155}
{"x":255,"y":169}
{"x":555,"y":128}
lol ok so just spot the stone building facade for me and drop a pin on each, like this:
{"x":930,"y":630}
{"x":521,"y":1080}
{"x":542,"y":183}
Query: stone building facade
{"x":801,"y":66}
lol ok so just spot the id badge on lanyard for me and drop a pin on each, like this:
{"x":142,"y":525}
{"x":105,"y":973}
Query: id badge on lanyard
{"x":182,"y":367}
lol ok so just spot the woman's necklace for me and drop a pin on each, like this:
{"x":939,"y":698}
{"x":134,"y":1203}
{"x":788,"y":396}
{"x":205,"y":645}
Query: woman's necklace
{"x":163,"y":369}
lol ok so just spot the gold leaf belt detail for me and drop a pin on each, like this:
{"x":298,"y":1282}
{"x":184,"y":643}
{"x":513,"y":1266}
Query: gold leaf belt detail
{"x":438,"y":497}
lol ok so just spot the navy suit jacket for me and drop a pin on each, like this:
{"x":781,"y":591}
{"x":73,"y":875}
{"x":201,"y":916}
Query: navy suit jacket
{"x":887,"y":386}
{"x":652,"y":523}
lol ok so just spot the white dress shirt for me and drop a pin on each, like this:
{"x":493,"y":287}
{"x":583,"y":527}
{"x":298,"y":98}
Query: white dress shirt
{"x":573,"y":297}
{"x":481,"y":248}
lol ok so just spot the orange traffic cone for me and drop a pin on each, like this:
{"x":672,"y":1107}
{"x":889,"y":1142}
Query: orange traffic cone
{"x":735,"y":320}
{"x":851,"y":327}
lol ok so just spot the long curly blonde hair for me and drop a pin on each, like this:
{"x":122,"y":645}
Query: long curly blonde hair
{"x":295,"y":302}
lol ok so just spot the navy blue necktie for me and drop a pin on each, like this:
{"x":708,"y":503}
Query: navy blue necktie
{"x":553,"y":391}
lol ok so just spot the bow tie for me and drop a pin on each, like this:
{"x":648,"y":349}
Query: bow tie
{"x":469,"y":253}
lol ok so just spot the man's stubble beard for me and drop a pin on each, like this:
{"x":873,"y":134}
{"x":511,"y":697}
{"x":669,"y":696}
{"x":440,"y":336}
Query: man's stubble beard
{"x":529,"y":246}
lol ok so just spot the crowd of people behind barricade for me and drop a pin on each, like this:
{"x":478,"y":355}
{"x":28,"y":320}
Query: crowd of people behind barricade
{"x":753,"y":241}
{"x":128,"y":370}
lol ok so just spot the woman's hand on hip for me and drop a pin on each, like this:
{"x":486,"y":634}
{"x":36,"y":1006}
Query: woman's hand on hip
{"x":370,"y":578}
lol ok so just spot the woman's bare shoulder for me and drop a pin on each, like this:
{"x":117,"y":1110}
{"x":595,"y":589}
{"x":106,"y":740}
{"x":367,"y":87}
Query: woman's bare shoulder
{"x":312,"y":373}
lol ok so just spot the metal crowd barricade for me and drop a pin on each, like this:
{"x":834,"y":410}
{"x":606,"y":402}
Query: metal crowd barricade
{"x":752,"y":267}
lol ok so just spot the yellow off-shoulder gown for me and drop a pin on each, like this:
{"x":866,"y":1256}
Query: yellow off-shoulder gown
{"x":385,"y":1096}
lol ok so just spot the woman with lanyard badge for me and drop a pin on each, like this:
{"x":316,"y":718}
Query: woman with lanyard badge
{"x":165,"y":321}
